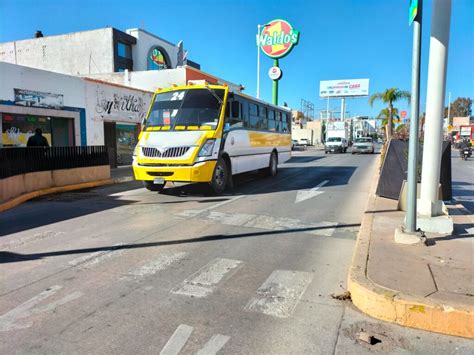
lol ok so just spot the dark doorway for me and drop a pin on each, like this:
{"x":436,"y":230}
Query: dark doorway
{"x":110,"y":141}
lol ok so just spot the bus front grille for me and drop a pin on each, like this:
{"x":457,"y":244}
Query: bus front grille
{"x":172,"y":152}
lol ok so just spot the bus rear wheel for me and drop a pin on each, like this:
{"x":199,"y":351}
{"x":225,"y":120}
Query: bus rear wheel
{"x":150,"y":186}
{"x":219,"y":177}
{"x":272,"y":169}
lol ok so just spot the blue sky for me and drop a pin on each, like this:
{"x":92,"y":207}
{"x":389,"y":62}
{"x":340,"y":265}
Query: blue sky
{"x":340,"y":39}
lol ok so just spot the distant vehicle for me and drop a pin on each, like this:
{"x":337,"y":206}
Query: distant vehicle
{"x":380,"y":140}
{"x":363,"y":145}
{"x":335,"y":145}
{"x":304,"y":141}
{"x":294,"y":144}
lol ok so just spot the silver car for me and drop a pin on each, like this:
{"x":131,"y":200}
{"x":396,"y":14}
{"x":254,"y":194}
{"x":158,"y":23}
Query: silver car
{"x":363,"y":145}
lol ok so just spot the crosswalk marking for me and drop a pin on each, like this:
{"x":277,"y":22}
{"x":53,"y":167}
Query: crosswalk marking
{"x":17,"y":318}
{"x":205,"y":280}
{"x":272,"y":223}
{"x":178,"y":340}
{"x":97,"y":257}
{"x":154,"y":266}
{"x":214,"y":344}
{"x":280,"y":293}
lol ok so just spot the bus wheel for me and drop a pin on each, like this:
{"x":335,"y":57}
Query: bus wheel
{"x":150,"y":186}
{"x":272,"y":169}
{"x":219,"y":177}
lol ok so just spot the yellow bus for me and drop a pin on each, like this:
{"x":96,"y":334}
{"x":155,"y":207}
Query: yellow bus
{"x":202,"y":133}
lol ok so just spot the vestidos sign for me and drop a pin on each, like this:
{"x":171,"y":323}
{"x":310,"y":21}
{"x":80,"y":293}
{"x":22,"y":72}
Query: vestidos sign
{"x":278,"y":38}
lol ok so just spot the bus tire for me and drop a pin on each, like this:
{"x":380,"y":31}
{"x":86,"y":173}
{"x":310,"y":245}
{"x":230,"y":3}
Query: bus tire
{"x":272,"y":169}
{"x":219,"y":177}
{"x":150,"y":186}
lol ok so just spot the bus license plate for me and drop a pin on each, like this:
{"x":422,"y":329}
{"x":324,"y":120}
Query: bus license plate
{"x":159,"y":181}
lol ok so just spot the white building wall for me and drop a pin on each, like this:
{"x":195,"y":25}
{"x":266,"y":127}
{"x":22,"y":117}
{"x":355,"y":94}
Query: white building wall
{"x":147,"y":80}
{"x":112,"y":103}
{"x":76,"y":53}
{"x":19,"y":77}
{"x":145,"y":41}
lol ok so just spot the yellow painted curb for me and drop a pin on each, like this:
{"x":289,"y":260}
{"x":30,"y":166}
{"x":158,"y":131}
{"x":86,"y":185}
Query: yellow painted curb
{"x":392,"y":306}
{"x":52,"y":190}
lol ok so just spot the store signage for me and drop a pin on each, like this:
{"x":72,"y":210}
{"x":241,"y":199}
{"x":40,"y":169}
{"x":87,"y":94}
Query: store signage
{"x":274,"y":73}
{"x":38,"y":99}
{"x":158,"y":58}
{"x":277,"y":38}
{"x":403,"y":114}
{"x":344,"y":88}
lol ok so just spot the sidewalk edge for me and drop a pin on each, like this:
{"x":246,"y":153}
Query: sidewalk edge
{"x":393,"y":306}
{"x":52,"y":190}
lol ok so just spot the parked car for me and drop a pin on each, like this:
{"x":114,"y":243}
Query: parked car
{"x":363,"y":145}
{"x":335,"y":145}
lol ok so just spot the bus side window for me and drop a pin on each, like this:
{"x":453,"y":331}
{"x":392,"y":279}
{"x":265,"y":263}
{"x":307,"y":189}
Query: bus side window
{"x":235,"y":109}
{"x":227,"y":110}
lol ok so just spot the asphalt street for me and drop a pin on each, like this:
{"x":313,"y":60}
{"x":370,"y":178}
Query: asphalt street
{"x":462,"y":172}
{"x":119,"y":269}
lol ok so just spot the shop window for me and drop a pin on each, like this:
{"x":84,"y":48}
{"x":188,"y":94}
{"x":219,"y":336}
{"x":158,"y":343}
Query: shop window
{"x":16,"y":129}
{"x":124,"y":50}
{"x":158,"y":59}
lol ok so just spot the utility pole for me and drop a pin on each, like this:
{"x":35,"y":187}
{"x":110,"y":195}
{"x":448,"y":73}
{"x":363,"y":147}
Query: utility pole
{"x":429,"y":204}
{"x":412,"y":179}
{"x":258,"y":60}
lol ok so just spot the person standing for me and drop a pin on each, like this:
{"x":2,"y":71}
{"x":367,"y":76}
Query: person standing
{"x":37,"y":140}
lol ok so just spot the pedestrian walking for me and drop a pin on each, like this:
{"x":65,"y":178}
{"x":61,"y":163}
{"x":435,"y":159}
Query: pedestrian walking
{"x":37,"y":140}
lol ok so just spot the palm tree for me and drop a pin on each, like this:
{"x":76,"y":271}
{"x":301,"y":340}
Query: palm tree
{"x":385,"y":114}
{"x":389,"y":96}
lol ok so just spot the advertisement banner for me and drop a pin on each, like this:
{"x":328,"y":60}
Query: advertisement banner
{"x":344,"y":88}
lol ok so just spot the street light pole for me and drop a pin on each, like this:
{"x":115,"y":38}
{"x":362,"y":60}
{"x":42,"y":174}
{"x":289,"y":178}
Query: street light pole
{"x":412,"y":178}
{"x":258,"y":60}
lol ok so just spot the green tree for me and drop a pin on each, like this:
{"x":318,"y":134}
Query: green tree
{"x":389,"y":96}
{"x":461,"y":107}
{"x":385,"y":114}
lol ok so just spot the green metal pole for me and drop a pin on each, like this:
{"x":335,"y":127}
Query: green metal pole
{"x":275,"y":86}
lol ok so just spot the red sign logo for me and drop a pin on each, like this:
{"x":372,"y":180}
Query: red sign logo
{"x":403,"y":114}
{"x":278,"y":38}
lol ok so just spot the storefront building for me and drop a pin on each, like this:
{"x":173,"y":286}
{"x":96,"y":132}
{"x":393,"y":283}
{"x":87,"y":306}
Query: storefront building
{"x":70,"y":111}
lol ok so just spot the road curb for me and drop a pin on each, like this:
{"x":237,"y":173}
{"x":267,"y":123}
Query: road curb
{"x":393,"y":306}
{"x":52,"y":190}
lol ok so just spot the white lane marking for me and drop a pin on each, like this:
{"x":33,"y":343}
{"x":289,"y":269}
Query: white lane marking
{"x":154,"y":266}
{"x":178,"y":340}
{"x":214,"y":344}
{"x":17,"y":317}
{"x":97,"y":257}
{"x":195,"y":213}
{"x":272,"y":223}
{"x":280,"y":293}
{"x":303,"y":195}
{"x":205,"y":280}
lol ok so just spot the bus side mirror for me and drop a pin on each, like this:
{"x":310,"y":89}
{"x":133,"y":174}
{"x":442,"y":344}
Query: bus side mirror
{"x":235,"y":109}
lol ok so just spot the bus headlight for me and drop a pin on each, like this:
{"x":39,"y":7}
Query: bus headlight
{"x":207,"y":147}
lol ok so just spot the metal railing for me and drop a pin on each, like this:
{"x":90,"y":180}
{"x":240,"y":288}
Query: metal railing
{"x":16,"y":161}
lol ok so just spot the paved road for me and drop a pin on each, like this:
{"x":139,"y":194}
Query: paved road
{"x":121,"y":270}
{"x":463,"y":180}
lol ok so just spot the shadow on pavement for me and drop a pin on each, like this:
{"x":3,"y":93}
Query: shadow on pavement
{"x":288,"y":179}
{"x":11,"y":257}
{"x":57,"y":208}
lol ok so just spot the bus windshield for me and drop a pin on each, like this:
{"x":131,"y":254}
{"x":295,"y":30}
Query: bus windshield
{"x":184,"y":108}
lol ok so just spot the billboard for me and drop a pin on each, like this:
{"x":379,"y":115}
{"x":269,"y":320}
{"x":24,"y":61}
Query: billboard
{"x":344,"y":88}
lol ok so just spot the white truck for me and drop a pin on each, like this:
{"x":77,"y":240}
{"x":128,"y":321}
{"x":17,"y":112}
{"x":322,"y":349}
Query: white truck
{"x":337,"y":138}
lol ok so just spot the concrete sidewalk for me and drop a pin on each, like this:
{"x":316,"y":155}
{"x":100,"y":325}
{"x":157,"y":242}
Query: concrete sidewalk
{"x":122,"y":174}
{"x":427,"y":287}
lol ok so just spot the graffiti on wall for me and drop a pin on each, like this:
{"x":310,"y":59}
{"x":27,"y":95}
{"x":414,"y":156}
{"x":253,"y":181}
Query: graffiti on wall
{"x":121,"y":106}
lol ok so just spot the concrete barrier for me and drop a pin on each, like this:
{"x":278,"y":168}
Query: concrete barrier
{"x":19,"y":188}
